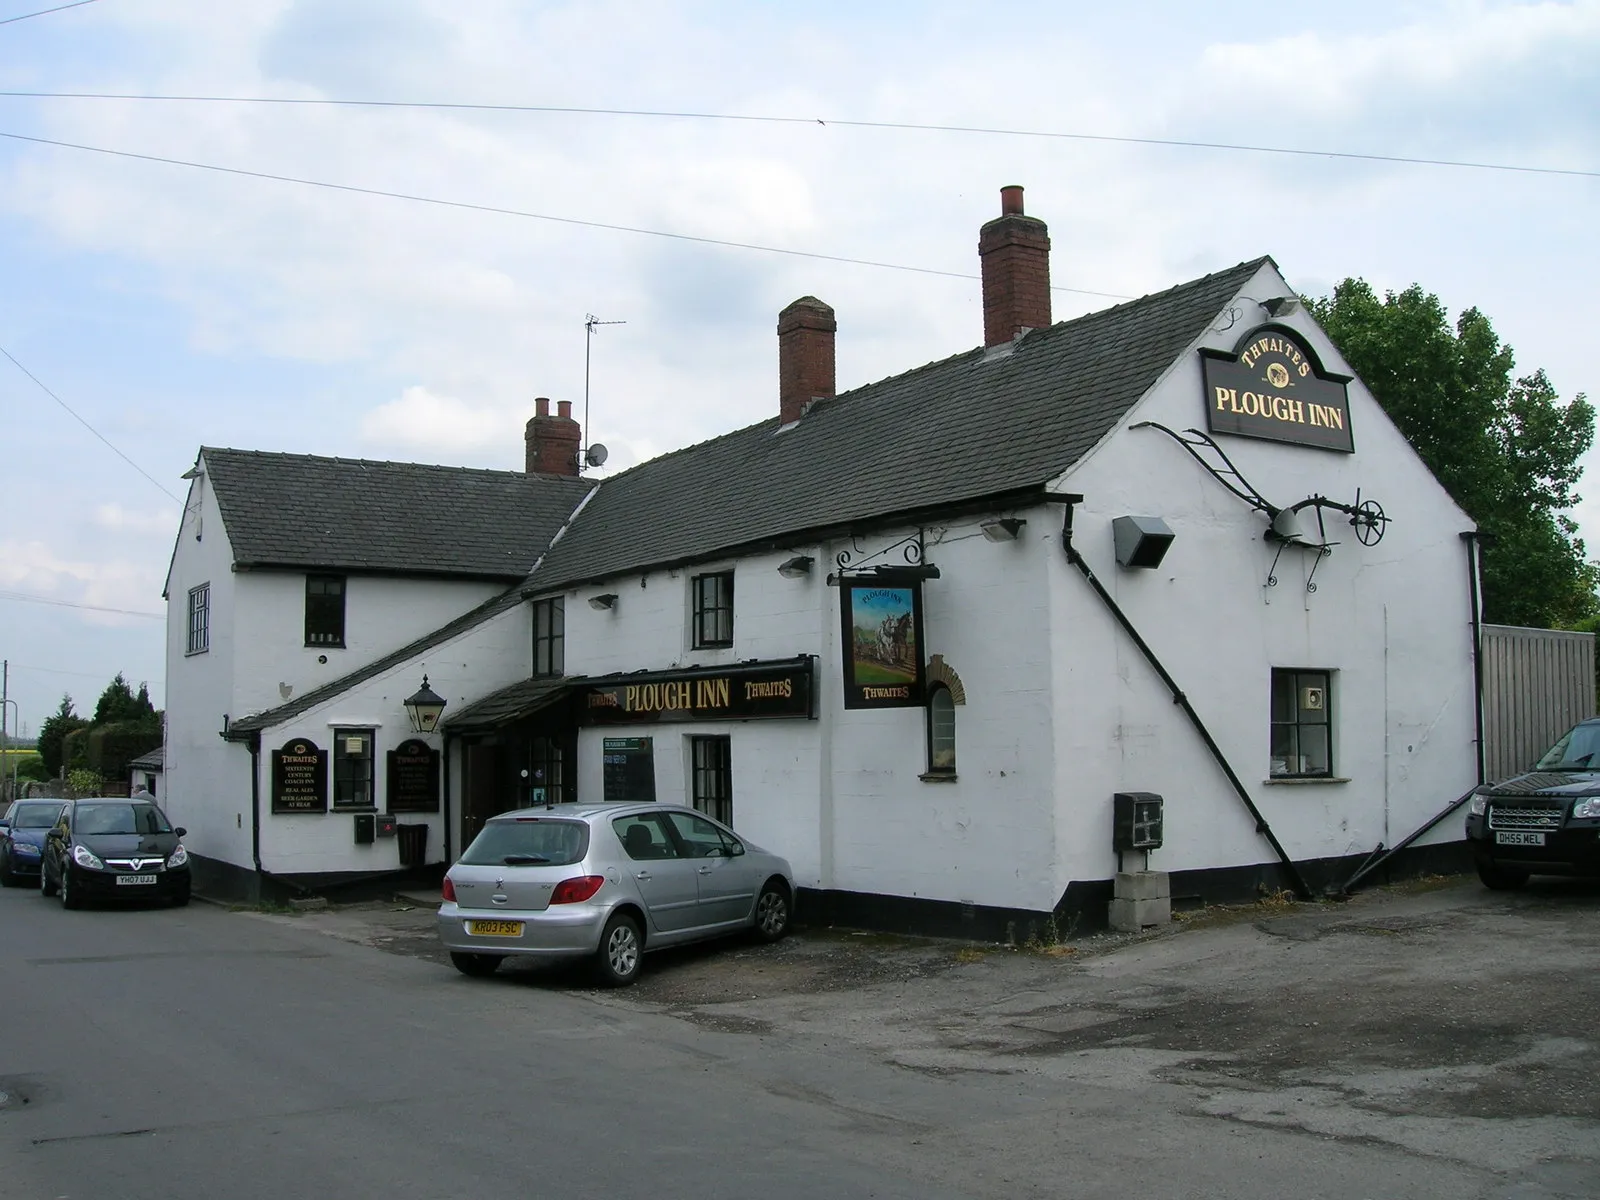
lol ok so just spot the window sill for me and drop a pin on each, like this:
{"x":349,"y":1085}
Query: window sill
{"x":325,"y":646}
{"x":1300,"y":780}
{"x":937,"y":777}
{"x":354,"y":808}
{"x":197,"y":653}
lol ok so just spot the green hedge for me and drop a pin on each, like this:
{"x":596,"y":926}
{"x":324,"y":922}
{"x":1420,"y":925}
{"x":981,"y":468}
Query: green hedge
{"x":112,"y":747}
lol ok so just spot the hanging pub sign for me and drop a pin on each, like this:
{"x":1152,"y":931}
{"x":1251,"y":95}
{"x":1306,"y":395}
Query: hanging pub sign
{"x":747,"y":692}
{"x":413,"y":777}
{"x":881,"y":640}
{"x":1273,"y":386}
{"x":300,"y":778}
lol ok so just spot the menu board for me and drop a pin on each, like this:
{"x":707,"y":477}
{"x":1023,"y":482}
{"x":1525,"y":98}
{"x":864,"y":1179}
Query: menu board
{"x":300,"y":777}
{"x":413,"y":777}
{"x":630,"y":769}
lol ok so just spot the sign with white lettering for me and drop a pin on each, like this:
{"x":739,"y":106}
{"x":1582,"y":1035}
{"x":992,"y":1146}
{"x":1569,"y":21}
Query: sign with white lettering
{"x":629,"y":770}
{"x":1273,"y":386}
{"x":300,"y":778}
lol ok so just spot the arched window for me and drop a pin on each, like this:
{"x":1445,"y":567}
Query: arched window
{"x":941,"y":731}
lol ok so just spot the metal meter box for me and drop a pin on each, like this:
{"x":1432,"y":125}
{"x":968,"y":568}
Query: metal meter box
{"x":1136,"y":821}
{"x":386,"y":825}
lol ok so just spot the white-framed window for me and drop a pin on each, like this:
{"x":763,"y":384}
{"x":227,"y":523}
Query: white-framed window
{"x":1302,"y":724}
{"x":941,"y":731}
{"x":199,"y":626}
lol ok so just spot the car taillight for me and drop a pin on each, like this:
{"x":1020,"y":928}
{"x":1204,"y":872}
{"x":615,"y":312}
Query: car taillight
{"x":449,"y":889}
{"x":577,"y":889}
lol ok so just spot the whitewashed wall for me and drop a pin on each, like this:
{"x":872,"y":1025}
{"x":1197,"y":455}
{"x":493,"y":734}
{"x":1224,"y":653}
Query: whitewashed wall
{"x":1392,"y":621}
{"x":491,"y":656}
{"x":207,"y":780}
{"x":272,"y":663}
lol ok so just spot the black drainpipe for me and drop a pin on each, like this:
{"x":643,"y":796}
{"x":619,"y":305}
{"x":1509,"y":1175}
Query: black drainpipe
{"x":445,"y":793}
{"x":255,"y":804}
{"x":1178,"y":698}
{"x":1474,"y":543}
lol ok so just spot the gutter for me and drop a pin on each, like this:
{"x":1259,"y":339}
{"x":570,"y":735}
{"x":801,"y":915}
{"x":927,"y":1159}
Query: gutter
{"x":1179,"y":698}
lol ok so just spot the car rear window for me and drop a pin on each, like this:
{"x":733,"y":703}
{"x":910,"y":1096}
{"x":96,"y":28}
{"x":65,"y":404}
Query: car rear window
{"x":34,"y":816}
{"x":534,"y":839}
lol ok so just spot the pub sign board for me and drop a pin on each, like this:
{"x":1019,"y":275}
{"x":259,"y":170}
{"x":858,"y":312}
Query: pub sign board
{"x":1273,"y":386}
{"x":413,"y":777}
{"x":747,"y":692}
{"x":300,"y":777}
{"x":629,"y":769}
{"x":881,"y":641}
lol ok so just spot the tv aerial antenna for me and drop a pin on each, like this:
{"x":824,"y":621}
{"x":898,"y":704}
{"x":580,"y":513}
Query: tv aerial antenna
{"x":594,"y":453}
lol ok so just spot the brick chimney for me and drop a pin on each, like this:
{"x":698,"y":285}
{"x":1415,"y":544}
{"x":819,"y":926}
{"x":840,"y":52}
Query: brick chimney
{"x":1015,"y":253}
{"x":552,"y":441}
{"x":805,"y":356}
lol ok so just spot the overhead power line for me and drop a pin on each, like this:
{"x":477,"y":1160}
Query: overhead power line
{"x":90,"y":428}
{"x":514,"y":212}
{"x":44,"y":12}
{"x":1061,"y":135}
{"x":126,"y":612}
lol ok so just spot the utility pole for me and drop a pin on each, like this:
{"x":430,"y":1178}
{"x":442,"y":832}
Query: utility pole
{"x":5,"y":735}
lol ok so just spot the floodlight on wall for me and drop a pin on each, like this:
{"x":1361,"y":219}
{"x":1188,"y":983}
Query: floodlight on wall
{"x":1141,"y":541}
{"x":797,"y":567}
{"x":1280,"y":306}
{"x":424,"y":707}
{"x":1003,"y":529}
{"x":605,"y":600}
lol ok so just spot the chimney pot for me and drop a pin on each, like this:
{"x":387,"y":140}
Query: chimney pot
{"x":805,"y":356}
{"x":1015,"y":253}
{"x":552,"y":442}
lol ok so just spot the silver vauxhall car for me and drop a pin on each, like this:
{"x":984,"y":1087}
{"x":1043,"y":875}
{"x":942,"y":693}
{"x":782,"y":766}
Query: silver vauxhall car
{"x":607,"y":882}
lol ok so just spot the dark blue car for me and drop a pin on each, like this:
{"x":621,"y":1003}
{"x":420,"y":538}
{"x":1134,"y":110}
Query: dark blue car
{"x":22,"y":831}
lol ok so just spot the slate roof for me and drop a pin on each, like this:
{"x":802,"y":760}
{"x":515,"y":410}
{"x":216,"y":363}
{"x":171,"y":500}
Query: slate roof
{"x":522,"y":698}
{"x":974,"y":426}
{"x":153,"y":761}
{"x":303,"y":511}
{"x":241,"y":729}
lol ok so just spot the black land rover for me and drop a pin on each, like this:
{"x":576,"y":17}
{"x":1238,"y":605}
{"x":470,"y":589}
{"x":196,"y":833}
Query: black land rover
{"x":1546,"y":822}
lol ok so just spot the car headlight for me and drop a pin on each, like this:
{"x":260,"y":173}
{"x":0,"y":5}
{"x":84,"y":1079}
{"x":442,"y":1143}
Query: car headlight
{"x":1477,"y":805}
{"x":1589,"y":807}
{"x":25,"y":849}
{"x":180,"y":858}
{"x":85,"y":858}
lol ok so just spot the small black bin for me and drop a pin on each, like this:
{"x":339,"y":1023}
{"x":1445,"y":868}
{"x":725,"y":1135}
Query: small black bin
{"x":413,"y":845}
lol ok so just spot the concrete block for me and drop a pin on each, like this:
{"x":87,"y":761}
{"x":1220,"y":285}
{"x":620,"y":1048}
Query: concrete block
{"x":1142,"y":885}
{"x":1130,"y":916}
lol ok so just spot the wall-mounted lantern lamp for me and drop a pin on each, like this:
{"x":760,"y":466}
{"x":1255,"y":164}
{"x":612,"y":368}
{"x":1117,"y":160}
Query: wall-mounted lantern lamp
{"x":1141,"y":541}
{"x":606,"y":600}
{"x":424,"y":707}
{"x":1003,"y":529}
{"x":797,"y":567}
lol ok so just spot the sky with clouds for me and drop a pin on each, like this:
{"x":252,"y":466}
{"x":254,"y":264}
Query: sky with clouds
{"x":172,"y":307}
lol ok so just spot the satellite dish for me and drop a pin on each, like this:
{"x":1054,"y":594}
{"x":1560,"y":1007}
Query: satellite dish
{"x":596,"y":455}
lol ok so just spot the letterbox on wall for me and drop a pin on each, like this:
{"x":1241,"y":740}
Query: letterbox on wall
{"x":364,"y":829}
{"x":1136,"y":821}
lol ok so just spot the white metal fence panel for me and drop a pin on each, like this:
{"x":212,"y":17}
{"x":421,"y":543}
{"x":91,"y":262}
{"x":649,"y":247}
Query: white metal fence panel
{"x":1537,"y":684}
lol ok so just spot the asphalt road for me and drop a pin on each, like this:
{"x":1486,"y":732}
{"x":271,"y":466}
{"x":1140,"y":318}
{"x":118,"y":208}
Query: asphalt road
{"x":203,"y":1053}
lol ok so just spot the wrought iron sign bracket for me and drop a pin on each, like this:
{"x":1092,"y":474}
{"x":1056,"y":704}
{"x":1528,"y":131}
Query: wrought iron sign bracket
{"x":853,"y":563}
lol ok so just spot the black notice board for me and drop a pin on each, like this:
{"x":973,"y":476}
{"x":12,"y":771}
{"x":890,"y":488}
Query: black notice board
{"x":630,"y":769}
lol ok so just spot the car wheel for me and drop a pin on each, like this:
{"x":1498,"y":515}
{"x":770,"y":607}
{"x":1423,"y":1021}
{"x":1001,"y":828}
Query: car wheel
{"x":181,"y":899}
{"x":7,"y":879}
{"x":69,"y":894}
{"x":1501,"y":879}
{"x":476,"y":965}
{"x":46,"y":888}
{"x":772,"y":911}
{"x":621,"y":949}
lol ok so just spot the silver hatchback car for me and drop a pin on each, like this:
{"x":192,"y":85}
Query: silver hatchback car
{"x":607,"y":882}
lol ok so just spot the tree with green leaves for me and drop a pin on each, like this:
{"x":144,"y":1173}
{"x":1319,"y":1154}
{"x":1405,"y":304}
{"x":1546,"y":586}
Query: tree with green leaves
{"x":1506,"y":449}
{"x":118,"y":703}
{"x":53,"y":732}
